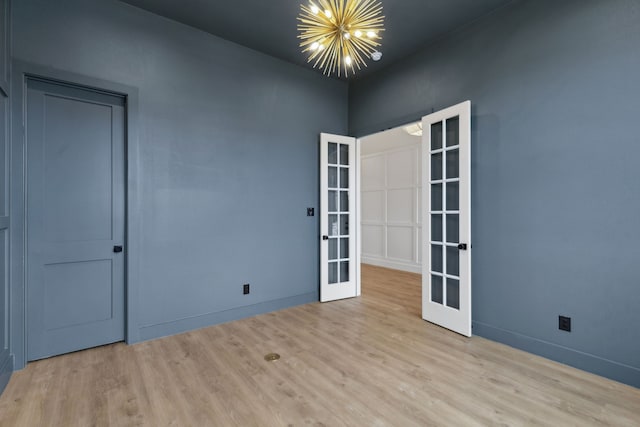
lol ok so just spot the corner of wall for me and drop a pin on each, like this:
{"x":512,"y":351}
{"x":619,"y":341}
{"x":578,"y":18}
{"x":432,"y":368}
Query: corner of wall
{"x":6,"y":369}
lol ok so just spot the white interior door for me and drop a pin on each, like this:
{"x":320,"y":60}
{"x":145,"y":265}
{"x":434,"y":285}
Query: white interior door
{"x":446,"y":214}
{"x":339,"y":261}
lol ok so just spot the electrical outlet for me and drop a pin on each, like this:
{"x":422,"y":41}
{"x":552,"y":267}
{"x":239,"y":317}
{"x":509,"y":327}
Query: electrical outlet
{"x":564,"y":323}
{"x":245,"y":289}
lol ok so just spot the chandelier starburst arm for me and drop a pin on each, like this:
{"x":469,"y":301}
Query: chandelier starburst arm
{"x":364,"y":10}
{"x":365,"y":45}
{"x":339,"y":35}
{"x":330,"y":58}
{"x":357,"y":53}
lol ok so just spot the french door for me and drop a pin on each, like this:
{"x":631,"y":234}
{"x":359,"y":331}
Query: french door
{"x":339,"y":262}
{"x":446,"y":215}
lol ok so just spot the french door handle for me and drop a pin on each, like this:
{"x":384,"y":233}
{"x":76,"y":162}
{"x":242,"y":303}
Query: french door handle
{"x":325,"y":237}
{"x":117,"y":249}
{"x":462,"y":246}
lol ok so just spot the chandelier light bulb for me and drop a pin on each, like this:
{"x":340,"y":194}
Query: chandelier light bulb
{"x":339,"y":36}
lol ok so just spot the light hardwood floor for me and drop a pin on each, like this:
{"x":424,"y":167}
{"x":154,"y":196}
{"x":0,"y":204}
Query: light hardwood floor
{"x":368,"y":361}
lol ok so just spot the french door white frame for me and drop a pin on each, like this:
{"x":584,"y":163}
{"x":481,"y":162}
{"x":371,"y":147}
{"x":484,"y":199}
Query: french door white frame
{"x":335,"y":291}
{"x":457,"y":319}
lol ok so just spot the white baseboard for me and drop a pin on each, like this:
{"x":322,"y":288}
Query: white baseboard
{"x":396,"y":265}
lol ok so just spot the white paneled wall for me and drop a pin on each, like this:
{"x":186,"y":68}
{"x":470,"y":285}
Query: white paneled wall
{"x":390,"y":200}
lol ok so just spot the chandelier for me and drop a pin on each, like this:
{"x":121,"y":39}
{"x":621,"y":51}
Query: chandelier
{"x":337,"y":35}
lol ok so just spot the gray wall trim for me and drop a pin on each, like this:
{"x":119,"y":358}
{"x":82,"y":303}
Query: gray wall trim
{"x":6,"y":368}
{"x":21,"y":70}
{"x":16,"y":229}
{"x":6,"y":359}
{"x":585,"y":361}
{"x":5,"y":72}
{"x":209,"y":319}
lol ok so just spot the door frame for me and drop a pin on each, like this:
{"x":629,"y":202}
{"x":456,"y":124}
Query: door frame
{"x":17,"y":193}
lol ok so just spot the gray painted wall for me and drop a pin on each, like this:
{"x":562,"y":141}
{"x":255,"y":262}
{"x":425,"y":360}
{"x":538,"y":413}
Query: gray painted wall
{"x":228,"y":153}
{"x":555,"y":90}
{"x":6,"y":362}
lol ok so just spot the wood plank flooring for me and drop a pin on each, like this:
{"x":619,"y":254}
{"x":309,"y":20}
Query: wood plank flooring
{"x":368,"y":361}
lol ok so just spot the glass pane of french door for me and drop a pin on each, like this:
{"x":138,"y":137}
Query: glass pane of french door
{"x":445,"y":178}
{"x":338,"y":212}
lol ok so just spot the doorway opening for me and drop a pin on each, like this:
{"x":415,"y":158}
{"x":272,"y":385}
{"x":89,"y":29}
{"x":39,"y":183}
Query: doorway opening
{"x":415,"y":205}
{"x":390,"y":214}
{"x":416,"y":209}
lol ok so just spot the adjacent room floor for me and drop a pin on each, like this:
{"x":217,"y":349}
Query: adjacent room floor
{"x":368,"y":361}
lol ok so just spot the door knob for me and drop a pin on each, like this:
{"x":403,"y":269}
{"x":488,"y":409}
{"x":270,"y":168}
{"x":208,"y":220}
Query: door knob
{"x":462,"y":246}
{"x":325,"y":237}
{"x":117,"y":249}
